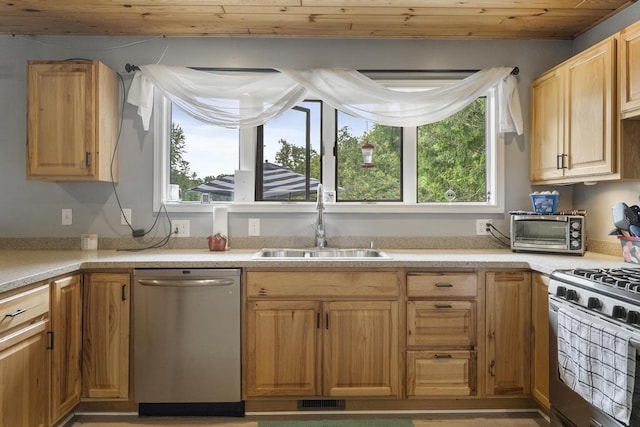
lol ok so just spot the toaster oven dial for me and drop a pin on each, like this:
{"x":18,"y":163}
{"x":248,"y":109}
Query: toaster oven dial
{"x":576,"y":225}
{"x":575,"y":234}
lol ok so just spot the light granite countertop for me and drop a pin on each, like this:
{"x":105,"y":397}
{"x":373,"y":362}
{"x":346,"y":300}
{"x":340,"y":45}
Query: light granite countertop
{"x":23,"y":267}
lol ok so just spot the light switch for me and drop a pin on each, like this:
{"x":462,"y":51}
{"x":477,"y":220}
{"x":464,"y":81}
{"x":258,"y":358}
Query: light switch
{"x":67,"y":216}
{"x":254,"y":227}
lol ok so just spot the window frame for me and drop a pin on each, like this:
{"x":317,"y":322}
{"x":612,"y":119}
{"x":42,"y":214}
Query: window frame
{"x":248,"y":152}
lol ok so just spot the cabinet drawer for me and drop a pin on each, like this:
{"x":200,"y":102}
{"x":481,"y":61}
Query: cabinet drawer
{"x":371,"y":284}
{"x":24,"y":308}
{"x":446,"y":285}
{"x":441,"y":323}
{"x":441,"y":373}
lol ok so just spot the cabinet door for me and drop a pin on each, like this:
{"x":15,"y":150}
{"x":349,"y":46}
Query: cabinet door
{"x":547,"y":126}
{"x":361,"y":348}
{"x":630,"y":71}
{"x":591,"y":113}
{"x":441,"y":323}
{"x":61,"y":119}
{"x":508,"y":320}
{"x":23,"y":373}
{"x":66,"y":326}
{"x":282,"y":348}
{"x":540,"y":321}
{"x":105,"y":350}
{"x":441,"y":373}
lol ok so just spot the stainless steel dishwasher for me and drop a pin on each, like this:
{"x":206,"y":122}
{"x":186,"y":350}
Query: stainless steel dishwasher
{"x":187,"y":342}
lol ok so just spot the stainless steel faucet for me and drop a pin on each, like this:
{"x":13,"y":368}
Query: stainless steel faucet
{"x":321,"y":242}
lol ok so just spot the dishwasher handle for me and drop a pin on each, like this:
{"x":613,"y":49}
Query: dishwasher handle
{"x":177,"y":283}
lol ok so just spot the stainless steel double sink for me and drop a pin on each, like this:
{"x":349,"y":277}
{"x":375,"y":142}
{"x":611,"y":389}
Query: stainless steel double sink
{"x":320,"y":253}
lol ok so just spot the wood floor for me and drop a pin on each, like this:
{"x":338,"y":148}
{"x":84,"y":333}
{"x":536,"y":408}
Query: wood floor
{"x":511,"y":419}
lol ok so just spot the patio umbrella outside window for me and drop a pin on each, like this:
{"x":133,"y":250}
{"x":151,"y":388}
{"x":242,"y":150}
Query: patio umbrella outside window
{"x":279,"y":184}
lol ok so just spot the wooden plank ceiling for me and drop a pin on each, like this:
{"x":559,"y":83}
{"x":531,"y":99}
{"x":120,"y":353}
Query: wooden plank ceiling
{"x":453,"y":19}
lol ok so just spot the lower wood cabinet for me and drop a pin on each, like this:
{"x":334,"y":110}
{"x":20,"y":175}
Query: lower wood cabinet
{"x":441,"y":334}
{"x":508,"y":339}
{"x":105,"y":349}
{"x":66,"y":345}
{"x":340,"y":340}
{"x":24,"y":358}
{"x":441,"y":373}
{"x":283,"y":343}
{"x":540,"y":323}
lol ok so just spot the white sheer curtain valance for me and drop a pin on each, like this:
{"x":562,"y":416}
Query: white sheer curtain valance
{"x":237,"y":99}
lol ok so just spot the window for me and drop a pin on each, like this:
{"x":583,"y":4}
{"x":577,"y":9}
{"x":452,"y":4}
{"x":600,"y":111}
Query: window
{"x":372,"y":181}
{"x":288,"y":163}
{"x":454,"y":165}
{"x":202,"y":159}
{"x":452,"y":158}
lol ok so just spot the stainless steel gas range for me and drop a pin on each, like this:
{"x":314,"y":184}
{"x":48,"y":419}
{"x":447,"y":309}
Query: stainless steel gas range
{"x":594,"y":325}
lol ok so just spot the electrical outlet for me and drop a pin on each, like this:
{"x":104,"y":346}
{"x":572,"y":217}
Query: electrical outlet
{"x":182,"y":226}
{"x":67,"y":216}
{"x":125,"y":216}
{"x":254,"y":227}
{"x":482,"y":227}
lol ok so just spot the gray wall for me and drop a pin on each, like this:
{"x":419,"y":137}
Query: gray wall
{"x":32,"y":209}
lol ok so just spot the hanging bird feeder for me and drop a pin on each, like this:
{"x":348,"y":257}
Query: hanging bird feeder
{"x":367,"y":156}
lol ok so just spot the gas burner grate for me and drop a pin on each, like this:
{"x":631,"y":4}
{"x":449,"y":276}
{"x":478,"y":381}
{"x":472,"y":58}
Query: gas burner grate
{"x":621,"y":278}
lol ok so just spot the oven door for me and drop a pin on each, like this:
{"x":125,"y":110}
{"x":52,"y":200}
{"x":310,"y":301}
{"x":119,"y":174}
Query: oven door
{"x":540,"y":233}
{"x":568,"y":409}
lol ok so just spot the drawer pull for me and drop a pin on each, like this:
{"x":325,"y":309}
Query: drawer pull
{"x":443,"y":306}
{"x":16,"y":313}
{"x":442,"y":356}
{"x":444,"y":285}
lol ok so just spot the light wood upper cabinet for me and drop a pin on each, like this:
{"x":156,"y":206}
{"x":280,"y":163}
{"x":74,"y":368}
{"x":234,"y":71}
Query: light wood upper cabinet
{"x":540,"y":323}
{"x":630,"y":71}
{"x":72,"y":121}
{"x":24,"y":358}
{"x":66,"y":327}
{"x":105,"y":351}
{"x":574,"y":117}
{"x":547,"y":126}
{"x":591,"y":111}
{"x":321,"y":333}
{"x":508,"y":341}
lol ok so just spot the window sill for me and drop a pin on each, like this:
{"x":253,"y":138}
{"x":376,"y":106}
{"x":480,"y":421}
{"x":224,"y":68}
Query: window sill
{"x":342,"y":208}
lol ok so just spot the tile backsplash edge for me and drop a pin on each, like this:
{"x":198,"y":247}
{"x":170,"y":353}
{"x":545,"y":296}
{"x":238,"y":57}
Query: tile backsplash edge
{"x":405,"y":242}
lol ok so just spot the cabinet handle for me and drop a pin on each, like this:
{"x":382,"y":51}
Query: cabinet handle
{"x":50,"y":346}
{"x":317,"y":320}
{"x":442,"y":356}
{"x":326,"y":320}
{"x":559,"y":161}
{"x":443,"y":306}
{"x":87,"y":159}
{"x":565,"y":164}
{"x":16,"y":313}
{"x":444,"y":285}
{"x":124,"y":292}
